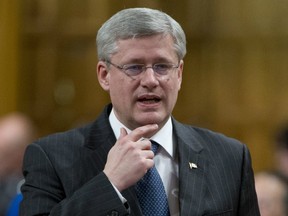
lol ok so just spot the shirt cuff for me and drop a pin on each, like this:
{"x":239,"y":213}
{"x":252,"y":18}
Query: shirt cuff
{"x":123,"y":200}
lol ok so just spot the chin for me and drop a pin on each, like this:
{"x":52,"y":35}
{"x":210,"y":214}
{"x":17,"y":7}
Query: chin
{"x":151,"y":118}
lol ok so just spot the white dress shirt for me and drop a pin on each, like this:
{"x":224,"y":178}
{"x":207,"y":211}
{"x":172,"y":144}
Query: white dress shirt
{"x":166,"y":161}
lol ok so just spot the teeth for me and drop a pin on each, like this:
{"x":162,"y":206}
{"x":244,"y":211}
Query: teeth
{"x":152,"y":100}
{"x":149,"y":101}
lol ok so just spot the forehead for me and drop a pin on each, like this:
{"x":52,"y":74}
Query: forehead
{"x":155,"y":46}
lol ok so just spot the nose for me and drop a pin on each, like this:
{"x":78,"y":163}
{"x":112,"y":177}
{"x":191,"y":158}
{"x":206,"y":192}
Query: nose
{"x":148,"y":78}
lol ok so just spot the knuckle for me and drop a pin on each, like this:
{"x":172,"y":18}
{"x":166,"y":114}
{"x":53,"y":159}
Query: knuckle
{"x":142,"y":162}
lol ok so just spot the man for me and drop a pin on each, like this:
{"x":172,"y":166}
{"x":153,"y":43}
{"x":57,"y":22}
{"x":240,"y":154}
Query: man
{"x":98,"y":169}
{"x":272,"y":192}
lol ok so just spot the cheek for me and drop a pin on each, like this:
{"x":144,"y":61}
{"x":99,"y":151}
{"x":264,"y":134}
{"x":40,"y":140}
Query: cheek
{"x":175,"y":81}
{"x":115,"y":90}
{"x":171,"y":92}
{"x":173,"y":86}
{"x":120,"y":89}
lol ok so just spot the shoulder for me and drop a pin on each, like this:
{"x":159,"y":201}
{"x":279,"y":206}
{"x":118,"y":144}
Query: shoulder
{"x":58,"y":149}
{"x":218,"y":150}
{"x":207,"y":139}
{"x":73,"y":137}
{"x":215,"y":137}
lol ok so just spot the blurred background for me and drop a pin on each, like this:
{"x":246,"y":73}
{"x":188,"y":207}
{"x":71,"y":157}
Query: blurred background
{"x":235,"y":74}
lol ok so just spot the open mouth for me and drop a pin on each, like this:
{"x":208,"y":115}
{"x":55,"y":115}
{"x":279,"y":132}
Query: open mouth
{"x":149,"y":99}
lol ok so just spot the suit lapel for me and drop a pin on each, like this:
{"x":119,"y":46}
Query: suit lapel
{"x":100,"y":140}
{"x":192,"y":168}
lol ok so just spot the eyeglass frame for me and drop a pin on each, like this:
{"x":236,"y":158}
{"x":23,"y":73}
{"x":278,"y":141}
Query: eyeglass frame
{"x":124,"y":68}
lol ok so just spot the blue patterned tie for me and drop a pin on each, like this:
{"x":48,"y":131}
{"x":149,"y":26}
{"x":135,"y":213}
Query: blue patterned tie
{"x":151,"y":193}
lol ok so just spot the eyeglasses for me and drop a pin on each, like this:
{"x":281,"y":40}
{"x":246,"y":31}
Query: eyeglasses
{"x":132,"y":70}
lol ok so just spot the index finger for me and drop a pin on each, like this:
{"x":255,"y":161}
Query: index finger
{"x":143,"y":131}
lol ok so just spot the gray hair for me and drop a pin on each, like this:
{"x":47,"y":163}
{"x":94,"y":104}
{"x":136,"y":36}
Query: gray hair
{"x":136,"y":23}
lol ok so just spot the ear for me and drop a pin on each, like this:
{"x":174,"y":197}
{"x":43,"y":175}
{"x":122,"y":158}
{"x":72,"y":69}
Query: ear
{"x":179,"y":73}
{"x":103,"y":75}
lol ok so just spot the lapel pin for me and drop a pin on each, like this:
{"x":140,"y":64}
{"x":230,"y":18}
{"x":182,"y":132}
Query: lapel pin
{"x":193,"y":165}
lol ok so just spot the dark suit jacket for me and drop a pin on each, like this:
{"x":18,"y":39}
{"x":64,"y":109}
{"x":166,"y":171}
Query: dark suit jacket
{"x":64,"y":174}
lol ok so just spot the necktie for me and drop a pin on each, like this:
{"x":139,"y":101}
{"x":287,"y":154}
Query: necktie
{"x":151,"y":193}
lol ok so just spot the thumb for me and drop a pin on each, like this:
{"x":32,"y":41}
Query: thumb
{"x":123,"y":133}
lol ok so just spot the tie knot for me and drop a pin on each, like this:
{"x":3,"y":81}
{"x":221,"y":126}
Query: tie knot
{"x":155,"y":146}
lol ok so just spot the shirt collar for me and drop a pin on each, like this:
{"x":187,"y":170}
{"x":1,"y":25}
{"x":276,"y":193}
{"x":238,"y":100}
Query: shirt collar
{"x":164,"y":136}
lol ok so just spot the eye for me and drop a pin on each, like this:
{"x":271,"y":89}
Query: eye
{"x":133,"y":69}
{"x":161,"y":68}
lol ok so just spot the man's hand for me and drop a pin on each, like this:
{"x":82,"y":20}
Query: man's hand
{"x":130,"y":157}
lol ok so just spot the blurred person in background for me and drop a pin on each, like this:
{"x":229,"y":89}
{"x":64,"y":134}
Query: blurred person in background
{"x":16,"y":132}
{"x":281,"y":150}
{"x":272,"y":193}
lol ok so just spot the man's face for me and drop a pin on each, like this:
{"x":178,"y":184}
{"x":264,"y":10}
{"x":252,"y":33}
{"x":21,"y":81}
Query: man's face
{"x":146,"y":98}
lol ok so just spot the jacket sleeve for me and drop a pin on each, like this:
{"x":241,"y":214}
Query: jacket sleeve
{"x":248,"y":205}
{"x":44,"y":194}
